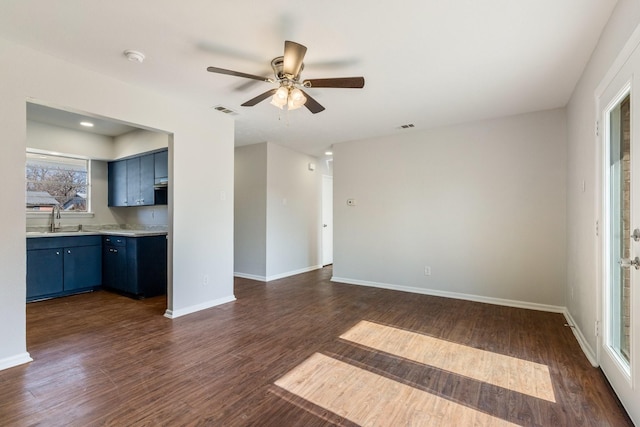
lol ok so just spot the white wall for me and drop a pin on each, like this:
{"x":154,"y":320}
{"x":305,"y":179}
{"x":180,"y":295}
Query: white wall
{"x":250,"y":211}
{"x":277,"y":212}
{"x":138,"y":141}
{"x":582,"y":279}
{"x":202,"y":140}
{"x":482,"y":204}
{"x":69,"y":141}
{"x":293,"y":212}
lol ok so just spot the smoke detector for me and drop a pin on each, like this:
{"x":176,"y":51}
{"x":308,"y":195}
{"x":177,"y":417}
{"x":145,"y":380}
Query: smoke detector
{"x":134,"y":55}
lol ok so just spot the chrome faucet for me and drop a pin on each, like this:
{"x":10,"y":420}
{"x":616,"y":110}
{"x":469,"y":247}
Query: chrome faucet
{"x":55,"y":214}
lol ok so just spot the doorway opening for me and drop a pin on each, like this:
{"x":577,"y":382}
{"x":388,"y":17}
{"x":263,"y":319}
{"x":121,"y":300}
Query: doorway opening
{"x":327,"y":220}
{"x":79,"y":267}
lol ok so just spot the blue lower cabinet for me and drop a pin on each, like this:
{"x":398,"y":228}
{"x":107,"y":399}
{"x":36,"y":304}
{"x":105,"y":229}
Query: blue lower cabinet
{"x":44,"y":272}
{"x":58,"y":266}
{"x":82,"y":267}
{"x":114,"y":263}
{"x":135,"y":266}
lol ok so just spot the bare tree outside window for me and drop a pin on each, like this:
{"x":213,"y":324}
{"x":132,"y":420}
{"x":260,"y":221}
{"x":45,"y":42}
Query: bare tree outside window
{"x":56,"y":181}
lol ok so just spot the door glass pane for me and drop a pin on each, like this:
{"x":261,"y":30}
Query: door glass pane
{"x":620,"y":244}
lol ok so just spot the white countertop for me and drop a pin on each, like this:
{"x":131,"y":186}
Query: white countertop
{"x":126,"y":233}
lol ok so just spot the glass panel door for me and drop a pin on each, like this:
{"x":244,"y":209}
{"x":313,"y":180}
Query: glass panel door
{"x":618,"y":325}
{"x":619,"y":334}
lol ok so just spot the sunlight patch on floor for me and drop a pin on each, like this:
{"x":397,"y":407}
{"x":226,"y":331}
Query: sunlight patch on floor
{"x":370,"y":399}
{"x":515,"y":374}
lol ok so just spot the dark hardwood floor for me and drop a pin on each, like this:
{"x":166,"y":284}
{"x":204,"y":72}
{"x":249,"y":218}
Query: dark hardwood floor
{"x":104,"y":359}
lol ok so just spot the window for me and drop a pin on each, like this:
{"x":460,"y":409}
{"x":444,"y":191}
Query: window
{"x":53,"y":180}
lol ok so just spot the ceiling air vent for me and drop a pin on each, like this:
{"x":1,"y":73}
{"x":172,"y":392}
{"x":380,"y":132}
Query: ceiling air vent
{"x":225,"y":110}
{"x":407,"y":126}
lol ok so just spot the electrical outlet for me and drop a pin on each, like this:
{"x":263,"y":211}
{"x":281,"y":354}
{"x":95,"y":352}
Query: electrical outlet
{"x":427,"y":271}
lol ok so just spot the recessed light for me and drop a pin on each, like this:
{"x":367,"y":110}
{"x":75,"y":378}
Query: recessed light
{"x":86,"y":124}
{"x":328,"y":153}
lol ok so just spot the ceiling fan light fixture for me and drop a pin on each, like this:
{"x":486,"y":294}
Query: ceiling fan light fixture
{"x":296,"y":99}
{"x":286,"y":70}
{"x":279,"y":98}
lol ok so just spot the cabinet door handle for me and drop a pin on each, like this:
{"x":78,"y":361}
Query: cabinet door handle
{"x":115,"y":251}
{"x":69,"y":251}
{"x":57,"y":252}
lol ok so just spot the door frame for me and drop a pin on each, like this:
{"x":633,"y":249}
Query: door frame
{"x":326,"y":181}
{"x":601,"y":204}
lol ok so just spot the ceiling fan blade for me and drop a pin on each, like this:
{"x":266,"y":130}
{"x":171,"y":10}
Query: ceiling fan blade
{"x":311,"y":104}
{"x":293,"y":56}
{"x":259,"y":98}
{"x":237,"y":74}
{"x":339,"y":82}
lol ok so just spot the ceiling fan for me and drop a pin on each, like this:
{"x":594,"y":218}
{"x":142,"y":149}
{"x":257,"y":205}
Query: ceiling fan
{"x":290,"y":91}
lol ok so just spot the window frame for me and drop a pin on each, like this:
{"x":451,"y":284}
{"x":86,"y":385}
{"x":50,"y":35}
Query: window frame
{"x":89,"y":212}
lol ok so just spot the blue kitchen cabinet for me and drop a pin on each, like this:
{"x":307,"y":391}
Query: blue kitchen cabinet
{"x":58,"y":266}
{"x":161,"y":166}
{"x":135,"y":266}
{"x":82,"y":267}
{"x":132,"y":182}
{"x":117,"y":182}
{"x":114,"y":263}
{"x":161,"y":177}
{"x":140,"y":180}
{"x":44,"y":272}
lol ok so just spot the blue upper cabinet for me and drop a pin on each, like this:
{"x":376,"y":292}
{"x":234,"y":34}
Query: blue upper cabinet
{"x":161,"y":167}
{"x":132,"y":182}
{"x":118,"y":183}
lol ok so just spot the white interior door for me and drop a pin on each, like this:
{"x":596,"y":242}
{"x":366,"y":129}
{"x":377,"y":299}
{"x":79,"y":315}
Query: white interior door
{"x":619,"y":340}
{"x":327,"y":220}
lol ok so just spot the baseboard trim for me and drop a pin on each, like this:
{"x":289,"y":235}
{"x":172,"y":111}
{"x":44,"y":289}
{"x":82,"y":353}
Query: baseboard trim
{"x":172,"y":314}
{"x":19,"y":359}
{"x":277,"y":276}
{"x":582,"y":341}
{"x":250,"y":276}
{"x":455,"y":295}
{"x":293,"y":273}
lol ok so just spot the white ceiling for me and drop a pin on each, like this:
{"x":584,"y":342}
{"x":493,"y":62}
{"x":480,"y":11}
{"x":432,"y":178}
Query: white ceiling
{"x":72,"y":120}
{"x":426,"y":62}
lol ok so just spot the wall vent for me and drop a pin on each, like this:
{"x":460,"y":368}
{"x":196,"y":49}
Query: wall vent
{"x":225,"y":110}
{"x":407,"y":126}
